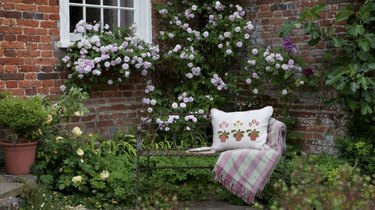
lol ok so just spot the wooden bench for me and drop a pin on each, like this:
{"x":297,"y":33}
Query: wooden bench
{"x":154,"y":128}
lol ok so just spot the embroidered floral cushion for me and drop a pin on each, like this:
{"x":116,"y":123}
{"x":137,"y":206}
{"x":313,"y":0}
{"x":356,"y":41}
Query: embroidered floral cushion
{"x":237,"y":130}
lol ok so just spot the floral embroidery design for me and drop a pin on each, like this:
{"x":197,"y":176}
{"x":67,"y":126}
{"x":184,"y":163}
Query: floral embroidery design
{"x":253,"y":134}
{"x":223,"y":135}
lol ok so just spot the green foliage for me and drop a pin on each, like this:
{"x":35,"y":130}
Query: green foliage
{"x":358,"y":151}
{"x":22,"y":116}
{"x":100,"y":169}
{"x":70,"y":104}
{"x":320,"y":182}
{"x":40,"y":198}
{"x":351,"y":72}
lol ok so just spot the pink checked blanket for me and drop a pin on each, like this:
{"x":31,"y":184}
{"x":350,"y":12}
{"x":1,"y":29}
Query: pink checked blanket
{"x":245,"y":172}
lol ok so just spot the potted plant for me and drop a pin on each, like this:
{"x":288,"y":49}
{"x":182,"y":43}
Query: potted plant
{"x":223,"y":135}
{"x":253,"y":134}
{"x":238,"y":134}
{"x":21,"y":118}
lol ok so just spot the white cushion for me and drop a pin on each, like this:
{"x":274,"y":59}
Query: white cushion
{"x":237,"y":130}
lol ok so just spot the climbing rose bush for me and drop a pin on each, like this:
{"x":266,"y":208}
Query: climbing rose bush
{"x":205,"y":64}
{"x":102,"y":56}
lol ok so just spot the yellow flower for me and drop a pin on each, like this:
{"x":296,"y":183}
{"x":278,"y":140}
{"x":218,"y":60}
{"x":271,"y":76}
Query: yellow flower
{"x":77,"y":113}
{"x":59,"y":138}
{"x":104,"y":175}
{"x":76,"y":179}
{"x":79,"y":152}
{"x":49,"y":119}
{"x":77,"y":131}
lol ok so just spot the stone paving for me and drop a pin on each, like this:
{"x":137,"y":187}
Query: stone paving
{"x":11,"y":187}
{"x":216,"y":205}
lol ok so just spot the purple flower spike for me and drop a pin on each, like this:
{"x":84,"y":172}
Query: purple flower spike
{"x":289,"y":46}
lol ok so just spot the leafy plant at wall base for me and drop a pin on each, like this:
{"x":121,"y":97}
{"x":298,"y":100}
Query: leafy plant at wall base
{"x":352,"y":71}
{"x":359,"y":152}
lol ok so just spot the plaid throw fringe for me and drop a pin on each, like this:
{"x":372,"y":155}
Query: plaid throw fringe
{"x":245,"y":172}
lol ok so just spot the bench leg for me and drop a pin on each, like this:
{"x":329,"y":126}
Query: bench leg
{"x":137,"y":204}
{"x":284,"y":168}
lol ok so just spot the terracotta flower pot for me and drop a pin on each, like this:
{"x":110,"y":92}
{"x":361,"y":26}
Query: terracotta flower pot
{"x":223,"y":138}
{"x":238,"y":137}
{"x":19,"y":157}
{"x":253,"y":137}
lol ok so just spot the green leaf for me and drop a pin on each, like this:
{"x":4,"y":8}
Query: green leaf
{"x":363,"y":82}
{"x":335,"y":76}
{"x":341,"y":86}
{"x":313,"y":42}
{"x":337,"y":42}
{"x":356,"y":29}
{"x":365,"y":109}
{"x":371,"y":65}
{"x":367,"y":96}
{"x":313,"y":13}
{"x":352,"y":104}
{"x":344,"y":13}
{"x":287,"y":27}
{"x":354,"y":86}
{"x":364,"y":45}
{"x":364,"y":56}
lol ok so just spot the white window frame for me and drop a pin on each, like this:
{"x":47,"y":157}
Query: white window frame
{"x":142,"y":19}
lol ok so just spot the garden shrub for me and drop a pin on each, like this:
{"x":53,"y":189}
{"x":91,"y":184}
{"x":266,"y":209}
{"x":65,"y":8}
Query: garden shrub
{"x":320,"y":182}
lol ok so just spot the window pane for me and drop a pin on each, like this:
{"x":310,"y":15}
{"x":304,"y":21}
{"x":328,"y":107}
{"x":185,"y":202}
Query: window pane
{"x":110,"y":2}
{"x":110,"y":18}
{"x":97,"y":2}
{"x":127,"y":3}
{"x":76,"y":14}
{"x":127,"y":18}
{"x":76,"y":1}
{"x":92,"y":15}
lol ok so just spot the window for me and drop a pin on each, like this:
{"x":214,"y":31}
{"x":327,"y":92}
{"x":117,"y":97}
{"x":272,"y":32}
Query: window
{"x":115,"y":13}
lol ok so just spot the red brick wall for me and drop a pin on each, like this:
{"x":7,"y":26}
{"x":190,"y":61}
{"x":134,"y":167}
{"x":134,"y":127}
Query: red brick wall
{"x":29,"y":65}
{"x":28,"y":31}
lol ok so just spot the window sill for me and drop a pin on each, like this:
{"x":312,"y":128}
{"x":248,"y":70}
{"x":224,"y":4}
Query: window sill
{"x":64,"y":44}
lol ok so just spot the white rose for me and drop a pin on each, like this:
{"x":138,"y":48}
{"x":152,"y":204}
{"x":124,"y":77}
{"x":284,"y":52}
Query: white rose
{"x":76,"y":179}
{"x":79,"y":152}
{"x":104,"y":175}
{"x":77,"y":131}
{"x":153,"y":102}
